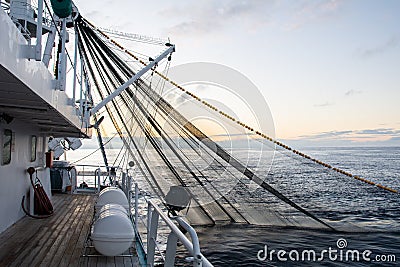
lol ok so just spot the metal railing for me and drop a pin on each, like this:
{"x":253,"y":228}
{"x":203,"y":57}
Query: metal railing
{"x":92,"y":174}
{"x":156,"y":218}
{"x":193,"y":247}
{"x":26,"y":11}
{"x":154,"y":214}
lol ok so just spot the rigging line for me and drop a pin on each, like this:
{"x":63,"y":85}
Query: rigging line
{"x":90,"y":69}
{"x":157,"y":146}
{"x":159,"y":192}
{"x":212,"y":107}
{"x":194,"y":165}
{"x":123,"y":147}
{"x":149,"y":102}
{"x":135,"y":37}
{"x":124,"y":155}
{"x":223,"y":195}
{"x":162,"y":87}
{"x":99,"y":137}
{"x":132,"y":154}
{"x":264,"y":186}
{"x":165,"y":137}
{"x":109,"y":53}
{"x":147,"y":106}
{"x":90,"y":154}
{"x":158,"y":149}
{"x":119,"y":153}
{"x":134,"y":132}
{"x":94,"y":37}
{"x":219,"y":151}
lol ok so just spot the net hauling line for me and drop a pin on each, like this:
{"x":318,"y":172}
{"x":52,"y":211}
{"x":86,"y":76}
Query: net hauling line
{"x":126,"y":70}
{"x":244,"y":125}
{"x":219,"y":151}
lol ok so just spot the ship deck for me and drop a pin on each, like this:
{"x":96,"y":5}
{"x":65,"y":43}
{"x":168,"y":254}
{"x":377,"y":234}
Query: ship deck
{"x":60,"y":240}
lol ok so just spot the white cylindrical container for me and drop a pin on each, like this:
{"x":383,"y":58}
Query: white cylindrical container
{"x":108,"y":207}
{"x":112,"y":232}
{"x":111,"y":195}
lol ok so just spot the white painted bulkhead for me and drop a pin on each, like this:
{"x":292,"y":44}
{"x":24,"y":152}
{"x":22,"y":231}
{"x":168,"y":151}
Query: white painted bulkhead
{"x":34,"y":108}
{"x":14,"y":179}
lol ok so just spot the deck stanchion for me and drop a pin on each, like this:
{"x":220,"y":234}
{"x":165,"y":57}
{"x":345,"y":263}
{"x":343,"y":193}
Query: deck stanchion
{"x":171,"y":249}
{"x":136,"y":205}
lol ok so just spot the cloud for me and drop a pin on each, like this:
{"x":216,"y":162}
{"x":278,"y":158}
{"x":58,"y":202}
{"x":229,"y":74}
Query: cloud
{"x":202,"y":17}
{"x":326,"y":104}
{"x":193,"y":27}
{"x":369,"y":134}
{"x":379,"y":131}
{"x":382,"y":48}
{"x":352,"y":92}
{"x":325,"y":135}
{"x":312,"y":10}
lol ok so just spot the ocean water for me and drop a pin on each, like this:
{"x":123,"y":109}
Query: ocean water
{"x":367,"y":218}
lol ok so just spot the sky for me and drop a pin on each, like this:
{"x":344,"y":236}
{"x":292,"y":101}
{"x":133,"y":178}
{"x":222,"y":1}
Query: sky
{"x":329,"y":70}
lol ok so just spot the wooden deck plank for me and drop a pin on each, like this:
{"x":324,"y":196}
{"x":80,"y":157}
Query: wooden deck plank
{"x":73,"y":242}
{"x":66,"y":249}
{"x":59,"y":245}
{"x":28,"y":244}
{"x":92,"y":262}
{"x":58,"y":240}
{"x":119,"y":261}
{"x":78,"y":250}
{"x":40,"y":250}
{"x":18,"y":228}
{"x":29,"y":237}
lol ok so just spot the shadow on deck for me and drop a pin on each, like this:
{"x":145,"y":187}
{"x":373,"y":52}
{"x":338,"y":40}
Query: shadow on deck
{"x":56,"y":241}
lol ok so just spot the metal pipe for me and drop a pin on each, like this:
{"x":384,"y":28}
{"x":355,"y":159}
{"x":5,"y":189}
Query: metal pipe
{"x":197,"y":260}
{"x":139,"y":74}
{"x":75,"y":63}
{"x":152,"y":235}
{"x":49,"y":45}
{"x":81,"y":91}
{"x":170,"y":253}
{"x":63,"y":60}
{"x":136,"y":205}
{"x":186,"y":242}
{"x":38,"y":50}
{"x":98,"y":180}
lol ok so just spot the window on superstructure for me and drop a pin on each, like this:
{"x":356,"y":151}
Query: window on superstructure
{"x":33,"y":147}
{"x":7,"y":144}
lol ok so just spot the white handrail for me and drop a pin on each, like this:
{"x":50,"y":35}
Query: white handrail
{"x":193,"y":247}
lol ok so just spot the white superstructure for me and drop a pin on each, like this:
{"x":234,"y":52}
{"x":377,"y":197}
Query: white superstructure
{"x":32,"y":106}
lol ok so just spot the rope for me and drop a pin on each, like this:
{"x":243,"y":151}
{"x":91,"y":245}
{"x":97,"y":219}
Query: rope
{"x":42,"y":204}
{"x":84,"y":55}
{"x":167,"y":109}
{"x":244,"y":125}
{"x":90,"y":154}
